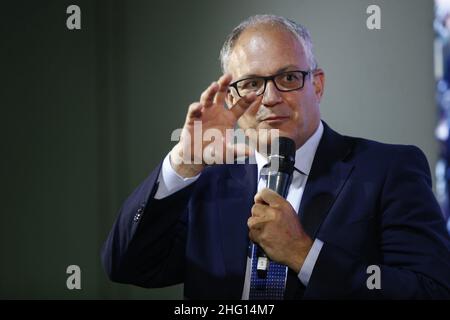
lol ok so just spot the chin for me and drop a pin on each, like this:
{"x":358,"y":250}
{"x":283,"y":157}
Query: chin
{"x":266,"y":139}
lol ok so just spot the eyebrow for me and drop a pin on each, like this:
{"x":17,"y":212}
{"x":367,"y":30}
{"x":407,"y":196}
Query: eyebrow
{"x":252,"y":75}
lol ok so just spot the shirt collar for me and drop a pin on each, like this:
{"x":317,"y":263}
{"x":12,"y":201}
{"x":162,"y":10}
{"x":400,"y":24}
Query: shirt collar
{"x":304,"y":155}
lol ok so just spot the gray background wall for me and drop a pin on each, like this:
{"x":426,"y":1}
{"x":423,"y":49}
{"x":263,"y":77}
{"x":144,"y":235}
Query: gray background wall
{"x":86,"y":114}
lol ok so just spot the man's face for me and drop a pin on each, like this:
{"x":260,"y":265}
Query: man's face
{"x":265,"y":51}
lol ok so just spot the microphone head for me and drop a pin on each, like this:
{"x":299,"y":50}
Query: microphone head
{"x":282,"y":155}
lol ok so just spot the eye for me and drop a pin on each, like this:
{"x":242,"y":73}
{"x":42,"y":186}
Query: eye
{"x":250,"y":84}
{"x":290,"y":77}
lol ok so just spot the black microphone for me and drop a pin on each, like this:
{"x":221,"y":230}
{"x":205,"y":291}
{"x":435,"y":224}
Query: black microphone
{"x":278,"y":175}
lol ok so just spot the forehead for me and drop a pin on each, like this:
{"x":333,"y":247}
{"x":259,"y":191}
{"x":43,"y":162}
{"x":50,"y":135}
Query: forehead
{"x":263,"y":50}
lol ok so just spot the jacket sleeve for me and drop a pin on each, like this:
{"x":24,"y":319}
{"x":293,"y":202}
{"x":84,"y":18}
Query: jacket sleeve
{"x":413,"y":242}
{"x":146,"y":246}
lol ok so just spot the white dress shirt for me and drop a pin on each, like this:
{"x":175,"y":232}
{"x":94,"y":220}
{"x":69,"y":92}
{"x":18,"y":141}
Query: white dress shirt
{"x":170,"y":182}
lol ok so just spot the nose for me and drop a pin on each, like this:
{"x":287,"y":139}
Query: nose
{"x":271,"y":95}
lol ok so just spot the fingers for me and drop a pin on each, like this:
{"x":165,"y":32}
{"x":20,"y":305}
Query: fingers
{"x":216,"y":93}
{"x":260,"y":210}
{"x":207,"y":97}
{"x":243,"y":104}
{"x":194,"y":111}
{"x":255,"y":235}
{"x":255,"y":223}
{"x":270,"y":197}
{"x":261,"y":214}
{"x":223,"y":83}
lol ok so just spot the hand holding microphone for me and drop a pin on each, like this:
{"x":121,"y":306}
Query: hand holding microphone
{"x":274,"y":224}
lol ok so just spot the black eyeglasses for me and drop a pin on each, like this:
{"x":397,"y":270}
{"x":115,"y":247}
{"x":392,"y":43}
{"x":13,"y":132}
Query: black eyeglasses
{"x":283,"y":81}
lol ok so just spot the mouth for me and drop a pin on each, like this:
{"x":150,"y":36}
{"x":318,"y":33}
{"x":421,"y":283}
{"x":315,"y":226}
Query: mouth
{"x":274,"y":119}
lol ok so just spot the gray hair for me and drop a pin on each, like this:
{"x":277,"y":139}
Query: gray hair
{"x":295,"y":28}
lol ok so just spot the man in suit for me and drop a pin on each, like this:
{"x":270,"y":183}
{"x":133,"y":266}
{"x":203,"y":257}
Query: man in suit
{"x":353,"y":204}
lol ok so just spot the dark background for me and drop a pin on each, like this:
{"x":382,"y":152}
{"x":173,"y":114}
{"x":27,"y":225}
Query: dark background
{"x":87,"y":114}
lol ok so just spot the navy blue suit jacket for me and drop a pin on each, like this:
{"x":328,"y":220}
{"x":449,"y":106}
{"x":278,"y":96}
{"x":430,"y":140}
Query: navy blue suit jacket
{"x":370,"y":203}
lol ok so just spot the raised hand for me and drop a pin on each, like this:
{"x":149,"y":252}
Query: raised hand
{"x":210,"y":114}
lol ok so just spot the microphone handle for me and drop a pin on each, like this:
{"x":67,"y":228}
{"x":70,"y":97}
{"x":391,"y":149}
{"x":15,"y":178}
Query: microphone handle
{"x":278,"y":182}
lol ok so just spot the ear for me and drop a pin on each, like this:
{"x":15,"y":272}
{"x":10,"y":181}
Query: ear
{"x":319,"y":83}
{"x":230,"y":100}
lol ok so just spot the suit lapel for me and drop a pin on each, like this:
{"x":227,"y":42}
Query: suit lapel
{"x":327,"y":177}
{"x":236,"y":194}
{"x":328,"y":174}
